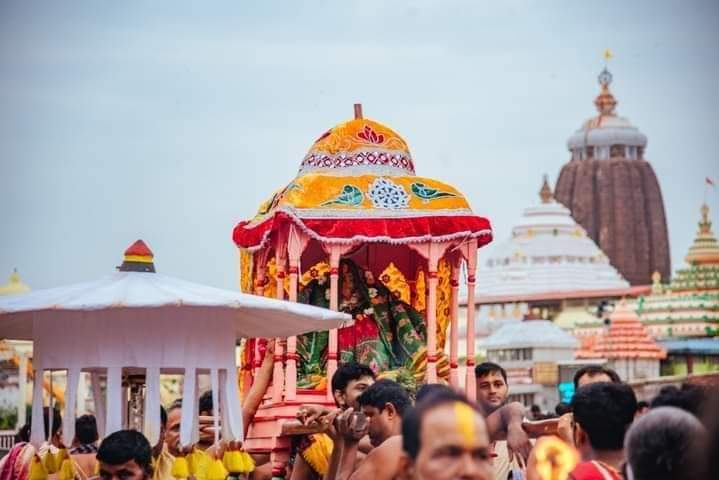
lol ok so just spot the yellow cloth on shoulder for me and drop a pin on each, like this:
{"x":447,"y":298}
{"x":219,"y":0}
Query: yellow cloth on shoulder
{"x":162,"y":465}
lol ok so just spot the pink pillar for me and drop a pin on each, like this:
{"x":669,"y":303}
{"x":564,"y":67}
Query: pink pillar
{"x":334,"y":305}
{"x":291,"y":365}
{"x":432,"y":325}
{"x":296,"y":243}
{"x":453,"y":325}
{"x":471,"y":381}
{"x":278,"y":373}
{"x":260,"y":291}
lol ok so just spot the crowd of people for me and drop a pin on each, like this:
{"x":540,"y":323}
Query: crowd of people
{"x":379,"y":430}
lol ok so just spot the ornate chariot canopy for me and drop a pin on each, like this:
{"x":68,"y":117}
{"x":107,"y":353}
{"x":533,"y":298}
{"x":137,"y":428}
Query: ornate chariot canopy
{"x":357,"y":184}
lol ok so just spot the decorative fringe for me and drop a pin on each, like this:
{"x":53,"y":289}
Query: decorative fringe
{"x":238,"y":461}
{"x":318,"y":454}
{"x":217,"y":471}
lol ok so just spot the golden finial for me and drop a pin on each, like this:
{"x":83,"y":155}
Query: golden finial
{"x":608,"y":54}
{"x":545,"y":193}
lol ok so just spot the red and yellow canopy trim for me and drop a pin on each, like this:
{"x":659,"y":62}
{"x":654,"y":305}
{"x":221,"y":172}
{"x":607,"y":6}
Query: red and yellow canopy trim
{"x":367,"y":208}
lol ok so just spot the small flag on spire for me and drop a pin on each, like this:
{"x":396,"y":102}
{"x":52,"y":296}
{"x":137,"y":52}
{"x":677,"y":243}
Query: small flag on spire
{"x":710,"y":181}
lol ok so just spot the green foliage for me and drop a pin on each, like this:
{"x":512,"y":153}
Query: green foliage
{"x":8,"y":418}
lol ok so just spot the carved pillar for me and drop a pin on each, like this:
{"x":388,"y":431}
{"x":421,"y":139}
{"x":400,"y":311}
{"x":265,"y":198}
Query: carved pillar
{"x":332,"y":355}
{"x":470,"y":381}
{"x":453,"y":325}
{"x":278,"y":373}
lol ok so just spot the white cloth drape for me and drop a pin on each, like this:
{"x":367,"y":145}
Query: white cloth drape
{"x":68,"y":423}
{"x":153,"y":421}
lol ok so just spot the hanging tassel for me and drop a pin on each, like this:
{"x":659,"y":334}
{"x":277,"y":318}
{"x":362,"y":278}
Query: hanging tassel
{"x":67,"y":470}
{"x":180,"y":469}
{"x":237,"y":461}
{"x":198,"y":462}
{"x":37,"y":469}
{"x":217,"y":471}
{"x":50,"y":463}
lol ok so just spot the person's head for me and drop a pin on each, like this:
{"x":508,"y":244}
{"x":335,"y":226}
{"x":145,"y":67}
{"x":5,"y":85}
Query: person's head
{"x":666,"y":444}
{"x":125,"y":455}
{"x":433,"y":389}
{"x":384,"y":403}
{"x":594,"y":374}
{"x":445,"y":437}
{"x":172,"y":428}
{"x":492,"y":389}
{"x":689,"y":397}
{"x":349,"y":382}
{"x":602,"y":413}
{"x":86,"y":430}
{"x":205,"y":403}
{"x":536,"y":411}
{"x":562,"y":408}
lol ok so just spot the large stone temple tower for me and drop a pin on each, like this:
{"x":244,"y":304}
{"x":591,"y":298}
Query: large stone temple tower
{"x":613,"y":193}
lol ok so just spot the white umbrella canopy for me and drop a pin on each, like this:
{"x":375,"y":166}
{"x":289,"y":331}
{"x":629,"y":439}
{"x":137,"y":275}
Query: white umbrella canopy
{"x":138,"y":320}
{"x":145,"y":295}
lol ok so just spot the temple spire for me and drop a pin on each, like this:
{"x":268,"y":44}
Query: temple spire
{"x":545,"y":193}
{"x":605,"y":101}
{"x":705,"y":249}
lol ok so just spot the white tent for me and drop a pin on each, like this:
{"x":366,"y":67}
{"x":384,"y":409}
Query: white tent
{"x":147,"y":323}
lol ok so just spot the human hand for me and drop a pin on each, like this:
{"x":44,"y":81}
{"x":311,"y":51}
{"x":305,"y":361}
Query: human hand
{"x":518,"y":444}
{"x":351,"y":426}
{"x":308,"y":414}
{"x":564,"y":428}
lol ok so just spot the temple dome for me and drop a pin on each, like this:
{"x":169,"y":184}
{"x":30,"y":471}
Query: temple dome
{"x":607,"y":129}
{"x":613,"y":192}
{"x":547,"y":252}
{"x":359,"y":145}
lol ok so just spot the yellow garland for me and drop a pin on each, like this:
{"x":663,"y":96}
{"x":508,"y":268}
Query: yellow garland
{"x":554,"y":458}
{"x":318,"y":454}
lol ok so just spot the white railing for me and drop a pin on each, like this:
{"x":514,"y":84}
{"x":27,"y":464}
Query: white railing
{"x":7,"y":439}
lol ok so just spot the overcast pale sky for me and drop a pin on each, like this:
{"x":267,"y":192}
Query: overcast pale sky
{"x":171,"y":121}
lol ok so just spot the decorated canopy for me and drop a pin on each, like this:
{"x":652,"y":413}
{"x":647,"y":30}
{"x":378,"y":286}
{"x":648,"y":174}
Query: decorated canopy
{"x":357,"y":183}
{"x":137,"y":322}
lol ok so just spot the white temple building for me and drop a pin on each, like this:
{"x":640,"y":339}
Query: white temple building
{"x":549,"y":268}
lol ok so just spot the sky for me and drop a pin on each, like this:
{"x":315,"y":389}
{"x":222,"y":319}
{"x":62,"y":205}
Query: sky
{"x":171,"y":121}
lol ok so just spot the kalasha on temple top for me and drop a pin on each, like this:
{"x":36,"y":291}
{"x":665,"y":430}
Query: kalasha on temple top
{"x":357,"y":184}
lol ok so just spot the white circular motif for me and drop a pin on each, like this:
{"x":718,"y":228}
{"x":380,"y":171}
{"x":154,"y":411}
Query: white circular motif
{"x":384,"y":193}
